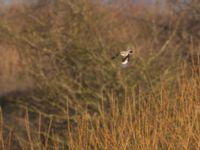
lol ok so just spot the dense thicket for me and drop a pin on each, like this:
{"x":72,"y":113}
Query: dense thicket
{"x":56,"y":54}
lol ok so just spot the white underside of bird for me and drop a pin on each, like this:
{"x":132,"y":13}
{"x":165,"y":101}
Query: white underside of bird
{"x":125,"y":62}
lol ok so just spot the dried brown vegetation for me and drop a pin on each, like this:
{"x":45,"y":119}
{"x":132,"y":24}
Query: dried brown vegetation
{"x":60,"y":89}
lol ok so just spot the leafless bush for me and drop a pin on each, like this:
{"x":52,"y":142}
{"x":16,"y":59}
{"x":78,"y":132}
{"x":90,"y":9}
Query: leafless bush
{"x":62,"y":50}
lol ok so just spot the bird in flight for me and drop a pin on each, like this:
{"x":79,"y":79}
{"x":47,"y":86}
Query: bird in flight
{"x":125,"y":56}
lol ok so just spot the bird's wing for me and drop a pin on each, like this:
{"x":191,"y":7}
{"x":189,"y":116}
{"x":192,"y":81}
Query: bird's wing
{"x":124,"y":53}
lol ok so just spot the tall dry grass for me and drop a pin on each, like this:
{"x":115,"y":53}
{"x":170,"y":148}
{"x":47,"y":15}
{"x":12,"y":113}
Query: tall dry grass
{"x":162,"y":120}
{"x":154,"y":121}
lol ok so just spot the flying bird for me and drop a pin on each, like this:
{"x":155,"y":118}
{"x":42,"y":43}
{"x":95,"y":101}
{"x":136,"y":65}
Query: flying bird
{"x":125,"y":56}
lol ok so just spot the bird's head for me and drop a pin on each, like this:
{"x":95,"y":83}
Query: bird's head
{"x":130,"y":51}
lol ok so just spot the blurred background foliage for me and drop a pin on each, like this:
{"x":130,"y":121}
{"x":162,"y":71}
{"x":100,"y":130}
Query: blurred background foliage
{"x":63,"y":50}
